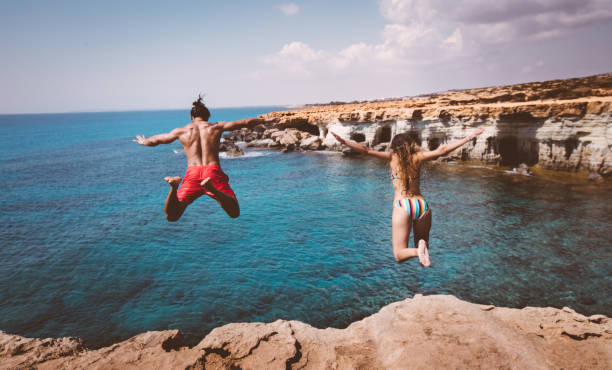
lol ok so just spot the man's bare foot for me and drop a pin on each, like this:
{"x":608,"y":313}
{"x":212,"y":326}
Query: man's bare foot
{"x":173,"y":181}
{"x":423,"y":253}
{"x":208,"y":185}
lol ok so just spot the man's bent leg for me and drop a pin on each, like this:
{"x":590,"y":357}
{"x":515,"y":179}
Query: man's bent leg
{"x":227,"y":202}
{"x":174,"y":208}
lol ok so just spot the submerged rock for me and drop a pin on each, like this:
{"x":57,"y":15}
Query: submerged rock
{"x":594,"y":176}
{"x":230,"y":148}
{"x":522,"y":169}
{"x":381,"y":147}
{"x":349,"y":152}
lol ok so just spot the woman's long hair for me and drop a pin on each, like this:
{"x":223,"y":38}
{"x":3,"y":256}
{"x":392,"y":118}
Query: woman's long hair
{"x":405,"y":146}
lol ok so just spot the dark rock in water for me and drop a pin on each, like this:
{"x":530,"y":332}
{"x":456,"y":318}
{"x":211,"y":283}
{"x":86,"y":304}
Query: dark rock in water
{"x":235,"y":153}
{"x":288,"y":148}
{"x":381,"y":147}
{"x":522,"y":169}
{"x":349,"y":152}
{"x":594,"y":176}
{"x":230,"y":148}
{"x":589,"y":301}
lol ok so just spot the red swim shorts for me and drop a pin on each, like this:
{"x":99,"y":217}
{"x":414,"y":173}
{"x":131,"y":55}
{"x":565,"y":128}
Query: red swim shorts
{"x":191,"y":189}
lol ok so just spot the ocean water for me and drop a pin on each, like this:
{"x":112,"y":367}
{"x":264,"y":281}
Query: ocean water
{"x":86,"y":250}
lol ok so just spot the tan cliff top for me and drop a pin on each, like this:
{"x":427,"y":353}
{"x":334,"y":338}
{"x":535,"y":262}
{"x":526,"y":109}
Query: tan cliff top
{"x":572,"y":98}
{"x":425,"y":332}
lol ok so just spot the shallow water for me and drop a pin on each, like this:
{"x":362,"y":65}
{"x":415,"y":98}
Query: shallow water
{"x":86,"y":250}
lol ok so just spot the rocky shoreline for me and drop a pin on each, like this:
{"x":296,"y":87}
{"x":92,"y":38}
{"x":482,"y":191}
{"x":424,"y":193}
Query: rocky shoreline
{"x":424,"y":332}
{"x":561,"y":125}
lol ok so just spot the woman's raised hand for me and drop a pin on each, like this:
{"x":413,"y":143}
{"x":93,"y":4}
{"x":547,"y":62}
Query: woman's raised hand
{"x":341,"y":140}
{"x":478,"y":132}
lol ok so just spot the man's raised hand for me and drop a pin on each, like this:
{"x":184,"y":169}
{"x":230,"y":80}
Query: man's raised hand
{"x":140,"y":140}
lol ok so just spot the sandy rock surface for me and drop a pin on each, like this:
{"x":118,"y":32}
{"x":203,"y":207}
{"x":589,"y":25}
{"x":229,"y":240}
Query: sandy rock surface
{"x":425,"y":332}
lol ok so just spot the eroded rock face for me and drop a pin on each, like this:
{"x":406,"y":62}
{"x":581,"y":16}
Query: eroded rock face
{"x":422,"y":332}
{"x":19,"y":352}
{"x":559,"y":125}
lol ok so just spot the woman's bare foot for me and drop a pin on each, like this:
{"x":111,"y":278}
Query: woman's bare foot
{"x":173,"y":181}
{"x":423,"y":253}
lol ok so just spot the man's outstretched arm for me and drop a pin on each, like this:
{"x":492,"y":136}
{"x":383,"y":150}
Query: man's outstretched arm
{"x":166,"y":138}
{"x":247,"y":122}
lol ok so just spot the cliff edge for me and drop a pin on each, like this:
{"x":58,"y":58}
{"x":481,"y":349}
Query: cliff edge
{"x":561,"y":125}
{"x":425,"y":332}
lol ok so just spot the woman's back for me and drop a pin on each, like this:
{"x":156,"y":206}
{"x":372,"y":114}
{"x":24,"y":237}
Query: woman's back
{"x":406,"y":176}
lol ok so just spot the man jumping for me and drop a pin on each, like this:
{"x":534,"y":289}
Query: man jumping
{"x":200,"y":140}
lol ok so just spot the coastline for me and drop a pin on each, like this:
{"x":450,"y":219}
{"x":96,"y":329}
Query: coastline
{"x":560,"y":125}
{"x":438,"y":331}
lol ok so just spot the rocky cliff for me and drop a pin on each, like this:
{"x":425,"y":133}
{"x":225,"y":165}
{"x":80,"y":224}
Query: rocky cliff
{"x":557,"y":125}
{"x":425,"y":332}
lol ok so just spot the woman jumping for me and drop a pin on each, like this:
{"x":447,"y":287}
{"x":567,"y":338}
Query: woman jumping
{"x":410,"y":209}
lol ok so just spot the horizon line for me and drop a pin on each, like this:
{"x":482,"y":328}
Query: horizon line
{"x":290,"y":106}
{"x":286,"y":106}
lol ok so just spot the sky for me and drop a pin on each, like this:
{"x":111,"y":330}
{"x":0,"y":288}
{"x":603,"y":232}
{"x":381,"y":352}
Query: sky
{"x":69,"y":55}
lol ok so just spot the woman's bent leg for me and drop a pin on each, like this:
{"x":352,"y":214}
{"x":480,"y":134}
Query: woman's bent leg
{"x":421,"y":237}
{"x":401,"y":222}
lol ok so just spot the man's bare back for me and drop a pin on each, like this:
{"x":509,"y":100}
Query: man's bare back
{"x":200,"y":140}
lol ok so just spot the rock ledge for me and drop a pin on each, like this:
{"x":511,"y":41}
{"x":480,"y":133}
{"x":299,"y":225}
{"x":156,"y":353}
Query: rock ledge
{"x":561,"y":125}
{"x":424,"y":332}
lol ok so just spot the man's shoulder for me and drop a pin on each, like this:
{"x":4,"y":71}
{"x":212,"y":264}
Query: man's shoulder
{"x":211,"y":125}
{"x":188,"y":126}
{"x":182,"y":129}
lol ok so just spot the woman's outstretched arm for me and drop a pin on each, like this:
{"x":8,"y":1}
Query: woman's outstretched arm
{"x":448,"y":147}
{"x":362,"y":148}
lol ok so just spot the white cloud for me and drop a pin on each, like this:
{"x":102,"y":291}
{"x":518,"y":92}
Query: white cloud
{"x":436,"y":32}
{"x":289,"y":8}
{"x":299,"y":52}
{"x":356,"y":53}
{"x":295,"y":58}
{"x":401,"y":11}
{"x":500,"y":21}
{"x":401,"y":45}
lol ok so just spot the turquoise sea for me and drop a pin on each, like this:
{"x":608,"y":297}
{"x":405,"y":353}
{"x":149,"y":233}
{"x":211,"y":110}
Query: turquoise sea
{"x":86,"y":250}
